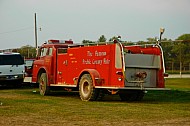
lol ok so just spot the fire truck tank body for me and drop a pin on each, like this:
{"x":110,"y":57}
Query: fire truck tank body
{"x":142,"y":63}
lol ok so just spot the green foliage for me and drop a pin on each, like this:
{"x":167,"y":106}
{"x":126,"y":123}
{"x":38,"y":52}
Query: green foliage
{"x":26,"y":51}
{"x":87,"y":42}
{"x":167,"y":47}
{"x":178,"y":51}
{"x":128,"y":43}
{"x":151,"y":39}
{"x":184,"y":37}
{"x":142,"y":42}
{"x":114,"y":38}
{"x":102,"y":39}
{"x":174,"y":51}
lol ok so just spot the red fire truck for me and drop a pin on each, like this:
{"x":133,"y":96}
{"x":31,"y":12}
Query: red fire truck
{"x":98,"y":69}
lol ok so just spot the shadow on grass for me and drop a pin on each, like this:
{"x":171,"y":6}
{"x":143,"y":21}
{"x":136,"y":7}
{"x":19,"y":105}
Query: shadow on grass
{"x":173,"y":96}
{"x":12,"y":86}
{"x":64,"y":94}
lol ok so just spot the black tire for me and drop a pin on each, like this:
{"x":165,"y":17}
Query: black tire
{"x":43,"y":85}
{"x":136,"y":95}
{"x":86,"y":90}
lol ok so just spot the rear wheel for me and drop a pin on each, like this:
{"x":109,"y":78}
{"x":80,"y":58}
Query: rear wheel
{"x":86,"y":90}
{"x":43,"y":84}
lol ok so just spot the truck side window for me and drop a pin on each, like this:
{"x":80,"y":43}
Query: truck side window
{"x":50,"y":50}
{"x":43,"y":52}
{"x":62,"y":51}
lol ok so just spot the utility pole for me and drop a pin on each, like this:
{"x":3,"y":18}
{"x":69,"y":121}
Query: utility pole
{"x":180,"y":65}
{"x":35,"y":31}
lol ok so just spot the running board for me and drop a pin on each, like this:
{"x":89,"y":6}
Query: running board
{"x":63,"y":85}
{"x":132,"y":88}
{"x":114,"y":88}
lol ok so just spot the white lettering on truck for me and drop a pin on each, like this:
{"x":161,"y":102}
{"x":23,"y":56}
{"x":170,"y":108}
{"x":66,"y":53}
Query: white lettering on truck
{"x":95,"y":61}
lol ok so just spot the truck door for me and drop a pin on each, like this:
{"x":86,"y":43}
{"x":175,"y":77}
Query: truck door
{"x":62,"y":63}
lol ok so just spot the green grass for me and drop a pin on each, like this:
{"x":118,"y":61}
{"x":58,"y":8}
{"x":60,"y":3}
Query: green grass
{"x":25,"y":107}
{"x":177,"y":71}
{"x":178,"y":84}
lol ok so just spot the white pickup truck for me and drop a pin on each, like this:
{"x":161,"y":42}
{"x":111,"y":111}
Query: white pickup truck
{"x":11,"y":69}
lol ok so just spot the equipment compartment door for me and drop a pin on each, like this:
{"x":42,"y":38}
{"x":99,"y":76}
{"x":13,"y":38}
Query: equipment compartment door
{"x":62,"y":63}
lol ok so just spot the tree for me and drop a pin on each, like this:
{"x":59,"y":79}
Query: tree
{"x":114,"y":38}
{"x":27,"y":51}
{"x":184,"y":37}
{"x":151,"y":39}
{"x":87,"y":42}
{"x":102,"y":39}
{"x":181,"y":50}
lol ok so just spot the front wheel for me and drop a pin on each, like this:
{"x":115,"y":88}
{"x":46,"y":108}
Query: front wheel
{"x":86,"y":90}
{"x":43,"y":84}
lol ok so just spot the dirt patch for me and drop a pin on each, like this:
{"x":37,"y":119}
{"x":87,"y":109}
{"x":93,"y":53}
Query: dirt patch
{"x":32,"y":120}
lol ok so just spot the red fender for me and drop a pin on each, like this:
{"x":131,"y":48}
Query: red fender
{"x":93,"y":73}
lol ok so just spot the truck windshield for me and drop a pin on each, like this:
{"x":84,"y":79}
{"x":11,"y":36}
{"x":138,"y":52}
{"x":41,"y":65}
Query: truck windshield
{"x":11,"y":60}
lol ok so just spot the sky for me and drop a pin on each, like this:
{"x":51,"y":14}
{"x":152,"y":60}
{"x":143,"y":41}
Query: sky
{"x":133,"y":20}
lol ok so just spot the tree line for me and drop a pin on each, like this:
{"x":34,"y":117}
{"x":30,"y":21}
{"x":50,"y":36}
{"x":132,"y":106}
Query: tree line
{"x":176,"y":52}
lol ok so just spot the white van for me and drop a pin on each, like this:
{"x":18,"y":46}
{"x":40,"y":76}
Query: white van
{"x":11,"y":69}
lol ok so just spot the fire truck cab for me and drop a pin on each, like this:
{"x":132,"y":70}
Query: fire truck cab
{"x":98,"y":69}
